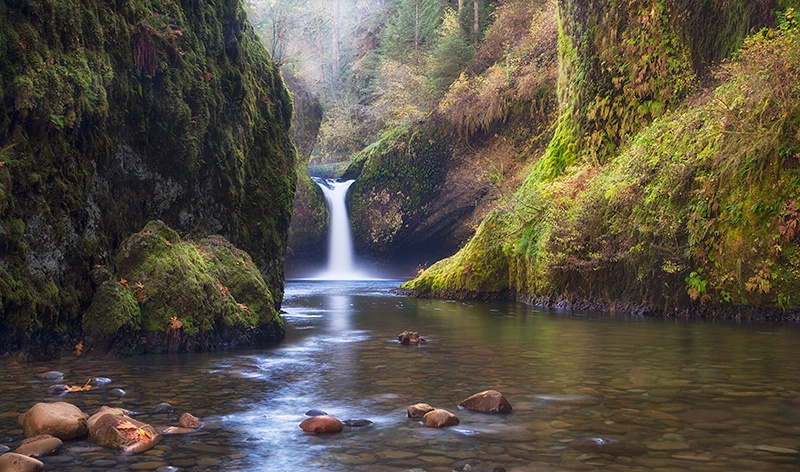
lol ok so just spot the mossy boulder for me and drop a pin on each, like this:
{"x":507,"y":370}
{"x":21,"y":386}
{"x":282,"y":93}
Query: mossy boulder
{"x":172,"y":295}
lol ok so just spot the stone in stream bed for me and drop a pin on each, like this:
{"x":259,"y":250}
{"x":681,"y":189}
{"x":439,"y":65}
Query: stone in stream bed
{"x":439,"y":419}
{"x":110,"y":427}
{"x":13,"y":462}
{"x":99,"y":381}
{"x":418,"y":410}
{"x":60,"y":419}
{"x":315,"y":412}
{"x":410,"y":338}
{"x":162,"y":408}
{"x":37,"y":446}
{"x":187,"y":420}
{"x":321,"y":424}
{"x":51,"y":375}
{"x":488,"y":401}
{"x":354,"y":423}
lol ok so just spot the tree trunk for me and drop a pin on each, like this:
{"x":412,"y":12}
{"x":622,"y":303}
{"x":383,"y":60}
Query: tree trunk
{"x":477,"y":25}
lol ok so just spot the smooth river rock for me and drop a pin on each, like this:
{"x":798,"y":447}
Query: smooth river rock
{"x":321,"y":424}
{"x":419,"y":410}
{"x":37,"y":446}
{"x":122,"y":432}
{"x":439,"y":419}
{"x":13,"y":462}
{"x":488,"y":401}
{"x":60,"y":419}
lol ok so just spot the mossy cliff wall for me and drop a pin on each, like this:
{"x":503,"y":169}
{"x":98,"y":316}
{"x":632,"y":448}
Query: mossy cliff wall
{"x":116,"y":113}
{"x":654,"y":195}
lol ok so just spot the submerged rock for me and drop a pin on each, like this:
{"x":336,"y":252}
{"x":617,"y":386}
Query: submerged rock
{"x":315,"y":412}
{"x":162,"y":408}
{"x":489,"y":401}
{"x":51,"y":375}
{"x":357,"y":423}
{"x":321,"y":424}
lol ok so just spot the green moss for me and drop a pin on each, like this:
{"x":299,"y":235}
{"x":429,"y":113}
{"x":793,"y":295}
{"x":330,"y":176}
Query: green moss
{"x":697,"y":212}
{"x":173,"y":293}
{"x":113,"y":115}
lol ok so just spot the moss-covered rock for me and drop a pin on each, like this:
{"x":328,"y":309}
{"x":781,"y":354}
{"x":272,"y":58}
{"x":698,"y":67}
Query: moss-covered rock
{"x":115,"y":114}
{"x":174,"y":295}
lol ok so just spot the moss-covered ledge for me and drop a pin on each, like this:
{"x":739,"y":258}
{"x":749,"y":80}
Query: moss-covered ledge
{"x":170,"y":295}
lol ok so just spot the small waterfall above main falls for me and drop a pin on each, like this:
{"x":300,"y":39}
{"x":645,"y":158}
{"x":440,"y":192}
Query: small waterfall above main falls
{"x":341,"y":257}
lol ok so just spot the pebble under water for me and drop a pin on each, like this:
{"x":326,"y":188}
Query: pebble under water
{"x":588,"y":391}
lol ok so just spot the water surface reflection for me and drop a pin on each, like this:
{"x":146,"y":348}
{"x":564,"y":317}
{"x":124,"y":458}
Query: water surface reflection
{"x":590,"y":392}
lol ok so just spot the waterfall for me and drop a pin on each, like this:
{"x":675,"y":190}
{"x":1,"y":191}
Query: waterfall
{"x":341,"y":259}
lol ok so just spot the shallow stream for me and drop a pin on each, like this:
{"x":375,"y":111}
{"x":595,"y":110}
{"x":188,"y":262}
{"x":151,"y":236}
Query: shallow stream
{"x":589,"y":391}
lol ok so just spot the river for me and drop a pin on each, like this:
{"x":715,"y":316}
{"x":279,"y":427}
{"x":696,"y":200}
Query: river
{"x":588,"y":391}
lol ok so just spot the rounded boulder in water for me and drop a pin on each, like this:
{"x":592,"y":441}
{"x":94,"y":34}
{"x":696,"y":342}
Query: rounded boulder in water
{"x":488,"y":401}
{"x":321,"y":424}
{"x":100,"y":381}
{"x":117,"y":392}
{"x":315,"y":412}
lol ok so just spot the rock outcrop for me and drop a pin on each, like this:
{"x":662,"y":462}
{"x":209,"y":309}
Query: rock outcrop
{"x":181,"y":117}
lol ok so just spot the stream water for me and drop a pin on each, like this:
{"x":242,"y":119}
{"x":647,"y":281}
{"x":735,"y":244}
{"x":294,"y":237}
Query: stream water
{"x":589,"y":391}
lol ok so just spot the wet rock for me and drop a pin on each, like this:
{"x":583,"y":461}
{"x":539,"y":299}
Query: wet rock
{"x":315,"y":412}
{"x":4,"y":448}
{"x":100,"y":275}
{"x":51,"y":375}
{"x":439,"y":419}
{"x":122,"y":432}
{"x":410,"y":338}
{"x":117,"y":392}
{"x":99,"y":381}
{"x":162,"y":408}
{"x":419,"y":410}
{"x":37,"y":446}
{"x":357,"y":423}
{"x":488,"y":401}
{"x":187,"y":420}
{"x":482,"y":467}
{"x":178,"y":430}
{"x":58,"y":389}
{"x":105,"y":410}
{"x":321,"y":424}
{"x":60,"y":419}
{"x":12,"y":462}
{"x":609,"y":446}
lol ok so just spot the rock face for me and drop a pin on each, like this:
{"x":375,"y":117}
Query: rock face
{"x":321,"y":424}
{"x":489,"y":401}
{"x":12,"y":462}
{"x":439,"y":419}
{"x":182,"y":117}
{"x":60,"y":419}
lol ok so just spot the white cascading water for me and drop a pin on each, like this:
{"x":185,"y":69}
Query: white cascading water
{"x":341,"y":260}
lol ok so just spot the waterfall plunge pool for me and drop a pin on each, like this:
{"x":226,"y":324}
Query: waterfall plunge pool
{"x":589,"y":391}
